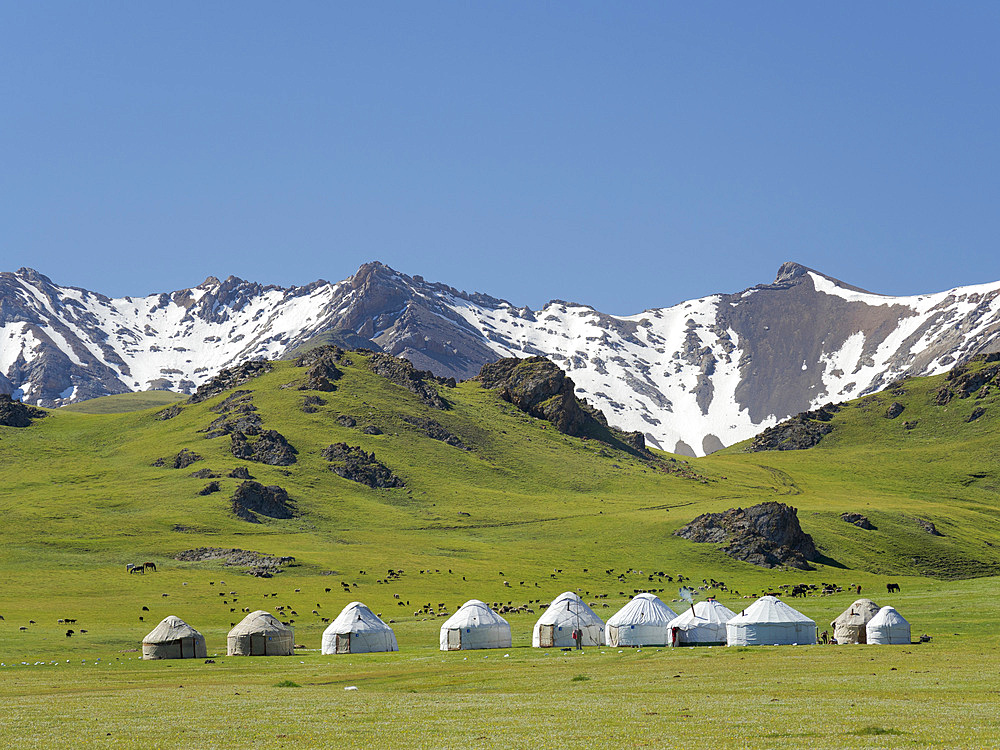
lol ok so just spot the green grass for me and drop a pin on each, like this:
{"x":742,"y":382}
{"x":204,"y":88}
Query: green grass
{"x":125,"y":402}
{"x":81,"y":499}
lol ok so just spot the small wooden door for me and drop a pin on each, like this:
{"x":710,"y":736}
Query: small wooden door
{"x":546,"y":636}
{"x":343,"y":643}
{"x":187,"y":648}
{"x":454,"y":639}
{"x":258,"y":645}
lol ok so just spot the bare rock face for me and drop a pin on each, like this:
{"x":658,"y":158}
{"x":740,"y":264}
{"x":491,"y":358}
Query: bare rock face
{"x":894,"y":410}
{"x":266,"y":447}
{"x":858,"y":520}
{"x":435,"y":431}
{"x":181,"y":461}
{"x":802,"y":431}
{"x":229,"y":378}
{"x":768,"y":535}
{"x":252,"y":499}
{"x":15,"y":414}
{"x":260,"y":565}
{"x":404,"y":374}
{"x":351,"y":462}
{"x":238,"y":414}
{"x":323,"y":371}
{"x":540,"y":388}
{"x":929,"y":527}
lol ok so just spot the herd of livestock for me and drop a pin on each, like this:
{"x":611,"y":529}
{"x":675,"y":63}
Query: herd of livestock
{"x":567,"y":623}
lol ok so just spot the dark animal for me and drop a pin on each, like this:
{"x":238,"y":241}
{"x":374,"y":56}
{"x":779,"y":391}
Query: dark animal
{"x":149,"y":566}
{"x":137,"y":569}
{"x":892,"y":588}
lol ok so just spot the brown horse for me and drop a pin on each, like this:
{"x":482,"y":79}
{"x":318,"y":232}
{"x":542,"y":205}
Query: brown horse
{"x":149,"y":566}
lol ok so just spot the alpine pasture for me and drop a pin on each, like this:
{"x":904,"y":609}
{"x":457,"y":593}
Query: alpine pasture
{"x":523,"y":515}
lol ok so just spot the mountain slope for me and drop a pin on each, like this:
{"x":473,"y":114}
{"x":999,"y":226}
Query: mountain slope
{"x":693,"y":377}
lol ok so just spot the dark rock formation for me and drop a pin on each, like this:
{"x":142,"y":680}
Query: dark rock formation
{"x":976,"y":414}
{"x":15,"y":414}
{"x":404,"y":374}
{"x":767,"y":535}
{"x":371,"y":430}
{"x":538,"y":387}
{"x":267,"y":447}
{"x":345,"y":421}
{"x":323,"y":370}
{"x":253,"y":499}
{"x":911,"y":425}
{"x":353,"y":463}
{"x":309,"y":404}
{"x":169,"y":413}
{"x":929,"y":527}
{"x":798,"y":433}
{"x":967,"y":379}
{"x":240,"y":472}
{"x":435,"y":431}
{"x":894,"y":410}
{"x":204,"y":474}
{"x":260,"y":564}
{"x":209,"y":488}
{"x":181,"y":461}
{"x":858,"y":520}
{"x":238,"y":414}
{"x":229,"y":378}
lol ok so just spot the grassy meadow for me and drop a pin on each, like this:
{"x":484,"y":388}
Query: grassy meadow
{"x":523,"y":515}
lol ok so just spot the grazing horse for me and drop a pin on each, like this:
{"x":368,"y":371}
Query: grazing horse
{"x":892,"y":588}
{"x":137,"y":569}
{"x":149,"y":566}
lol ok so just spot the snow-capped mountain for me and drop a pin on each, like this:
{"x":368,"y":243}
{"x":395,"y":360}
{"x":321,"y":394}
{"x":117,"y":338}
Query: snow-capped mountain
{"x":693,"y":377}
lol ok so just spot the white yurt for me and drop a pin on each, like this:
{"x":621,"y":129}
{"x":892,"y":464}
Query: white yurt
{"x":641,"y":622}
{"x":474,"y":625}
{"x":888,"y":628}
{"x":705,"y":625}
{"x":850,"y":626}
{"x":566,"y":613}
{"x":358,"y":630}
{"x":174,"y":639}
{"x":260,"y":634}
{"x":770,"y":622}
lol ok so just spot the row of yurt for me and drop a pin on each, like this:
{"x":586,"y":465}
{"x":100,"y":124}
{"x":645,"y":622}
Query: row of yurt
{"x":644,"y":621}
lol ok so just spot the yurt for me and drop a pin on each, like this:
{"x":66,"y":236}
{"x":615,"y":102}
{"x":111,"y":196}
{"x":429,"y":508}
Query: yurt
{"x":260,"y":634}
{"x":358,"y":630}
{"x":888,"y":628}
{"x":174,"y":639}
{"x":850,"y":626}
{"x":705,"y":625}
{"x":770,"y":622}
{"x":566,"y":613}
{"x":641,"y":622}
{"x":474,"y":625}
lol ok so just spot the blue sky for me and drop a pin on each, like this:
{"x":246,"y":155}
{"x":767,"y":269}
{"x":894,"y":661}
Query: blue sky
{"x":626,"y":155}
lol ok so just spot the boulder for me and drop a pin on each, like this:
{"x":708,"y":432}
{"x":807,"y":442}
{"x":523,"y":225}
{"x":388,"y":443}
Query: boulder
{"x":894,"y":410}
{"x":768,"y":535}
{"x":253,"y":499}
{"x":266,"y":447}
{"x":15,"y":414}
{"x":181,"y":461}
{"x":858,"y":520}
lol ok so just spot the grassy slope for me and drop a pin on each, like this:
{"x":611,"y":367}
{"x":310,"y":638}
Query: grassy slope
{"x":125,"y":402}
{"x":80,"y":499}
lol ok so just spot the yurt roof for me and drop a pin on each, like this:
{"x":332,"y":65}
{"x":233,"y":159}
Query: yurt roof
{"x":354,"y":618}
{"x":171,"y":628}
{"x":708,"y":612}
{"x":769,"y":609}
{"x":647,"y":609}
{"x":887,"y":616}
{"x":858,"y":613}
{"x":259,"y":622}
{"x":472,"y":614}
{"x":569,"y":606}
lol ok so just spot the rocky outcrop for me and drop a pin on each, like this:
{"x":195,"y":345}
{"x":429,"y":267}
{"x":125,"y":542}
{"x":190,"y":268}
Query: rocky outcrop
{"x":768,"y":535}
{"x":203,"y":474}
{"x":435,"y":431}
{"x":894,"y":410}
{"x":229,"y":378}
{"x":182,"y":460}
{"x":404,"y":374}
{"x":253,"y":499}
{"x":264,"y":446}
{"x":210,"y":488}
{"x":260,"y":565}
{"x":15,"y":414}
{"x":929,"y":527}
{"x":311,"y":403}
{"x":858,"y":520}
{"x":169,"y":413}
{"x":970,"y":379}
{"x":323,"y":370}
{"x":238,"y":414}
{"x":976,"y":413}
{"x":351,"y":462}
{"x":240,"y":472}
{"x":802,"y":431}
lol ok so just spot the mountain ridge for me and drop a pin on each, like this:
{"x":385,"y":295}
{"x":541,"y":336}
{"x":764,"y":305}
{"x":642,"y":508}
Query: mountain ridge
{"x":693,"y":377}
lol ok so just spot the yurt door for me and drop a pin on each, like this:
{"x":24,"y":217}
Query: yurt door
{"x":454,"y":639}
{"x":344,"y":644}
{"x":258,"y":645}
{"x":546,"y":636}
{"x":187,"y":648}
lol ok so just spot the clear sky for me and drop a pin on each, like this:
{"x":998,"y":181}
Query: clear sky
{"x":625,"y":155}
